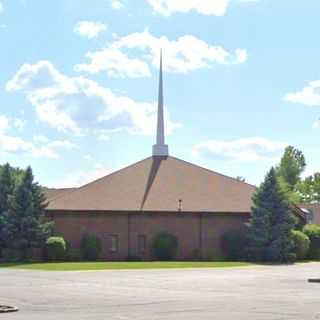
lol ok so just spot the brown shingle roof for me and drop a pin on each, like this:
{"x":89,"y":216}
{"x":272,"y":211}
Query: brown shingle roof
{"x":52,"y":193}
{"x":157,"y":184}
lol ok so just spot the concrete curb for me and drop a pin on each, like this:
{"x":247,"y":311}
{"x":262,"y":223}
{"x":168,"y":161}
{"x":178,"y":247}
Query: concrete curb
{"x":7,"y":309}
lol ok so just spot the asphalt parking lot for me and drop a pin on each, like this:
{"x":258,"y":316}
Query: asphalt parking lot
{"x":262,"y":292}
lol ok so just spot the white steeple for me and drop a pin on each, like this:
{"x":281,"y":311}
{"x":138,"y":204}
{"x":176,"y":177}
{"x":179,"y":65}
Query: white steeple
{"x":160,"y":148}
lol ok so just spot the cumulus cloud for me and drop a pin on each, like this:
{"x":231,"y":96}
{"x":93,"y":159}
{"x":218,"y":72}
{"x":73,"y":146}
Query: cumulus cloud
{"x":115,"y":63}
{"x":309,"y":95}
{"x":80,"y":105}
{"x":89,"y":29}
{"x":183,"y":55}
{"x":11,"y":144}
{"x":316,"y":124}
{"x":19,"y":123}
{"x":205,"y":7}
{"x":117,"y":4}
{"x":248,"y":149}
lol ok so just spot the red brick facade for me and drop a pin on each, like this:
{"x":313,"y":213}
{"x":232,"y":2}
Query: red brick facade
{"x":196,"y":232}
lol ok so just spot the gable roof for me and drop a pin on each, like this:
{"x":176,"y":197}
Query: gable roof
{"x":52,"y":193}
{"x":157,"y":184}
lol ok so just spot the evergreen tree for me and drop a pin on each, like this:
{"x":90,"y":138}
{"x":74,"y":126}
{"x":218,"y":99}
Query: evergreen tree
{"x":26,"y":215}
{"x":6,"y":186}
{"x":271,"y":223}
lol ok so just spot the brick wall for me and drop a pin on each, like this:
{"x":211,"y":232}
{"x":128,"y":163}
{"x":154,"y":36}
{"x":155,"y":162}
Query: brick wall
{"x":195,"y":231}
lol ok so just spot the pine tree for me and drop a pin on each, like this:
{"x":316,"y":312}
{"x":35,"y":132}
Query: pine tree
{"x":26,"y":214}
{"x":271,"y":223}
{"x":6,"y":186}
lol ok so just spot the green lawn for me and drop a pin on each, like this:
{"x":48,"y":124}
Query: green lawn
{"x":79,"y":266}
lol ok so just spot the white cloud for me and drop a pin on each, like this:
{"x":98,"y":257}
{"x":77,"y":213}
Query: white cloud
{"x":309,"y":95}
{"x":40,"y":138}
{"x":19,"y":123}
{"x":4,"y":124}
{"x":117,"y":4}
{"x":248,"y":149}
{"x":89,"y":29}
{"x":12,"y":144}
{"x":316,"y":124}
{"x":80,"y":178}
{"x":205,"y":7}
{"x":116,"y":63}
{"x":1,"y":7}
{"x":183,"y":55}
{"x":82,"y":106}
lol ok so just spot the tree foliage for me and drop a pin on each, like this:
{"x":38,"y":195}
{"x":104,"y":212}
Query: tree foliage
{"x":90,"y":247}
{"x":22,"y":219}
{"x":164,"y":246}
{"x":56,"y":249}
{"x":309,"y":189}
{"x":313,"y":232}
{"x":301,"y":244}
{"x":271,"y":223}
{"x":291,"y":166}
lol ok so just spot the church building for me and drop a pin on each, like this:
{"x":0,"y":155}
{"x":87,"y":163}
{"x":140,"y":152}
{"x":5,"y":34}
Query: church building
{"x":161,"y":193}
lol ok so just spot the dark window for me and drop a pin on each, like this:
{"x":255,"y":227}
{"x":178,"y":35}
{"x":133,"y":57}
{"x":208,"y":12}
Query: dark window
{"x":114,"y":243}
{"x":142,"y":243}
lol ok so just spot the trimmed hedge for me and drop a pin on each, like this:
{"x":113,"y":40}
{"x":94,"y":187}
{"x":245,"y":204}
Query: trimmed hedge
{"x":56,"y":248}
{"x":234,"y":244}
{"x":301,"y":244}
{"x":90,"y":247}
{"x":164,"y":246}
{"x":313,"y":232}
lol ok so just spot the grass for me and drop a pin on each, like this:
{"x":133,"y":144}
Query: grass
{"x":83,"y":266}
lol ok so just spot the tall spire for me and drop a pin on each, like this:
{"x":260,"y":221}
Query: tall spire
{"x":160,"y":148}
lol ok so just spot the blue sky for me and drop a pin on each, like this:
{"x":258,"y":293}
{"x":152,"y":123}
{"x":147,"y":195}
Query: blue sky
{"x":79,"y":84}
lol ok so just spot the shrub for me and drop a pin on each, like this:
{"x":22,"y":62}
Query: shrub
{"x":313,"y":232}
{"x":164,"y":246}
{"x":233,"y":244}
{"x":73,"y":255}
{"x":56,"y":248}
{"x":90,"y":247}
{"x":301,"y":244}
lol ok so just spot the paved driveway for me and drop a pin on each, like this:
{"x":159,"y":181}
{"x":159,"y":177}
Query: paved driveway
{"x":280,"y":292}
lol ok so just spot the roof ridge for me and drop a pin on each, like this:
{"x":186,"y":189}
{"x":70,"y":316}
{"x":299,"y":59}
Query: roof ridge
{"x":215,"y":172}
{"x":96,"y":180}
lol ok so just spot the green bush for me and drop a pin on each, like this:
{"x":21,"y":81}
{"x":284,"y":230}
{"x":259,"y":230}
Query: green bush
{"x":313,"y":232}
{"x":90,"y":248}
{"x":234,"y":244}
{"x":301,"y":244}
{"x":164,"y":246}
{"x":56,"y":249}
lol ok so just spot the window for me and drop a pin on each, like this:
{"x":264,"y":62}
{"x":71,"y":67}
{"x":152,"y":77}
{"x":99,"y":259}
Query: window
{"x":114,"y":243}
{"x":142,"y":243}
